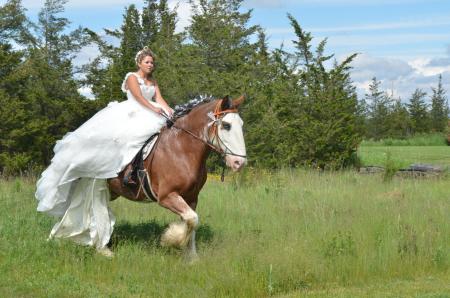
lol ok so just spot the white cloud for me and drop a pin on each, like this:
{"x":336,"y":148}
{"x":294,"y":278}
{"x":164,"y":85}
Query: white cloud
{"x":184,"y":14}
{"x":366,"y":67}
{"x":86,"y":92}
{"x":86,"y":55}
{"x":398,"y":77}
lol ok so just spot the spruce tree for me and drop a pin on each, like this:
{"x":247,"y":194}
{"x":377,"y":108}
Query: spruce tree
{"x":316,"y":107}
{"x":418,"y":112}
{"x":40,"y":94}
{"x":379,"y":106}
{"x":439,"y":108}
{"x":220,"y":36}
{"x":171,"y":58}
{"x":398,"y":121}
{"x":150,"y":24}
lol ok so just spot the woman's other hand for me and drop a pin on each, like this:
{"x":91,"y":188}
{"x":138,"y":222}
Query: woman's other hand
{"x":157,"y":110}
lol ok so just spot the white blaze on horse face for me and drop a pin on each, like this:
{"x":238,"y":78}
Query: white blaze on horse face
{"x":232,"y":137}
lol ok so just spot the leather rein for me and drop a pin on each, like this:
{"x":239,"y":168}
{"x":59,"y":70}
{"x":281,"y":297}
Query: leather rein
{"x":213,"y":130}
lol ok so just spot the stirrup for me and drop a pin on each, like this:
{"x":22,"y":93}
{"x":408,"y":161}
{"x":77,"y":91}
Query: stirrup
{"x":128,"y":180}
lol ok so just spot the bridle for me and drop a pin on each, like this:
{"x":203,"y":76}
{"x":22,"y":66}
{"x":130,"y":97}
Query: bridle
{"x":216,"y":118}
{"x":212,"y":132}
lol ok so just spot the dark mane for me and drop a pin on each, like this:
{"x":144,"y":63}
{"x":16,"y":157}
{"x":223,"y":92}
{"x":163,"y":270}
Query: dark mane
{"x":184,"y":109}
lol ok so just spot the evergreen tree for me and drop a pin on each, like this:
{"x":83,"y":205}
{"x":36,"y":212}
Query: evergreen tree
{"x":150,"y":25}
{"x":418,"y":112}
{"x":40,"y":101}
{"x":14,"y":25}
{"x":105,"y":74}
{"x":398,"y":121}
{"x":153,"y":27}
{"x":313,"y":110}
{"x":379,"y":106}
{"x":172,"y":59}
{"x":439,"y":108}
{"x":221,"y":45}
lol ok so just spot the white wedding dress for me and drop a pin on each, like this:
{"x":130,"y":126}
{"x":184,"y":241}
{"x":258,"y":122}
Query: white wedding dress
{"x":74,"y":185}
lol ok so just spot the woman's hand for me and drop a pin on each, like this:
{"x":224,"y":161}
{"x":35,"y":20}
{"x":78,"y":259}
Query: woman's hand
{"x":157,"y":110}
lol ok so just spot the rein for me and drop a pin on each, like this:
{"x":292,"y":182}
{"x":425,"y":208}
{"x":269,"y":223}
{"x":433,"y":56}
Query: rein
{"x":215,"y":117}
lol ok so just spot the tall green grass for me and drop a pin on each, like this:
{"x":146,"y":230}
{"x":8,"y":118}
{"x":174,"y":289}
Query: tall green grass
{"x":291,"y":233}
{"x":403,"y":156}
{"x":435,"y":139}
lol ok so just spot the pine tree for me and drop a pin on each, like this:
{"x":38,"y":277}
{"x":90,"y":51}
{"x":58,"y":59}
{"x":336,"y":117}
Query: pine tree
{"x":418,"y":112}
{"x":171,"y":58}
{"x":379,"y":104}
{"x":439,"y":108}
{"x":398,"y":121}
{"x":150,"y":25}
{"x":40,"y":100}
{"x":153,"y":27}
{"x":315,"y":108}
{"x":220,"y":37}
{"x":14,"y":25}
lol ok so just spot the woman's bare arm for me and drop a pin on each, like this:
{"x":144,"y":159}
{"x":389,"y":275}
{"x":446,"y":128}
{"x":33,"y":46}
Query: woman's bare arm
{"x":133,"y":85}
{"x":159,"y":99}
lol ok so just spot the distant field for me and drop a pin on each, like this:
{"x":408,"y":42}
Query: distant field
{"x":288,"y":234}
{"x":435,"y":139}
{"x":404,"y":156}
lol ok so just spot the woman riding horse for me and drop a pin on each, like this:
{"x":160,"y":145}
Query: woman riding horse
{"x":75,"y":186}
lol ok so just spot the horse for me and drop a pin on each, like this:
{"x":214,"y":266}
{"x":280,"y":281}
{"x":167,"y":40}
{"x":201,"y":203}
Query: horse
{"x":177,"y":164}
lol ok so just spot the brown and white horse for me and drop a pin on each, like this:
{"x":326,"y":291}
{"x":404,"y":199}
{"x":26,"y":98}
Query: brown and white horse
{"x":177,"y":165}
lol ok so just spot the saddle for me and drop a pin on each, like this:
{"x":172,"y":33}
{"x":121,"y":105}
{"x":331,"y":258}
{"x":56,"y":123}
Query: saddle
{"x":136,"y":177}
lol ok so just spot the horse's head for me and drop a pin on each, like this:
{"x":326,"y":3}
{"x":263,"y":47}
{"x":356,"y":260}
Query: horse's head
{"x":227,"y":133}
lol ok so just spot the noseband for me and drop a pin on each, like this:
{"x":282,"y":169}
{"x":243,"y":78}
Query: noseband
{"x":216,"y":117}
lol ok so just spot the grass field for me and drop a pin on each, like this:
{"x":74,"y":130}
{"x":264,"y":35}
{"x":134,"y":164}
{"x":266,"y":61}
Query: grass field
{"x":403,"y":156}
{"x":289,"y":234}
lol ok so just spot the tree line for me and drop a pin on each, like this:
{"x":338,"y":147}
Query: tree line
{"x":299,"y":110}
{"x":387,"y":117}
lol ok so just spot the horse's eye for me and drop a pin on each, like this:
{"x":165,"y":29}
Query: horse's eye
{"x":226,"y":125}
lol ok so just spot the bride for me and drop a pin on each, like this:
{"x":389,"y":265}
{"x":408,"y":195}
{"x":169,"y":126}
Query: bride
{"x":74,"y":186}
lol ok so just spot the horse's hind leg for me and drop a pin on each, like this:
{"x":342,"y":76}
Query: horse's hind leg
{"x":180,"y":234}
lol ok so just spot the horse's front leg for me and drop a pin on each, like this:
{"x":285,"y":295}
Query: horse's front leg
{"x":180,"y":234}
{"x":191,"y":249}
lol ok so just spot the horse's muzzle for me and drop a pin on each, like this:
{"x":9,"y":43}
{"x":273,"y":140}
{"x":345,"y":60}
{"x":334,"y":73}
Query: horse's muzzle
{"x":236,"y":163}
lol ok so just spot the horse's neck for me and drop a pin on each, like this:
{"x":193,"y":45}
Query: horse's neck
{"x":197,"y":120}
{"x":195,"y":129}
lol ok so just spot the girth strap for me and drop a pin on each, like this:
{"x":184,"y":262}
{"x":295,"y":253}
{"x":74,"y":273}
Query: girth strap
{"x":139,"y":173}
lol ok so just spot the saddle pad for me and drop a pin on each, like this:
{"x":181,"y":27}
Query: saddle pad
{"x":148,"y":148}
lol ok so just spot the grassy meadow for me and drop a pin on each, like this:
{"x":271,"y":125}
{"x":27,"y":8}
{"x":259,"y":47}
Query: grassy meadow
{"x":401,"y":153}
{"x":294,"y":233}
{"x":403,"y":156}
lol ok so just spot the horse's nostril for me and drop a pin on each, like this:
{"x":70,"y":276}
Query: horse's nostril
{"x":237,"y":162}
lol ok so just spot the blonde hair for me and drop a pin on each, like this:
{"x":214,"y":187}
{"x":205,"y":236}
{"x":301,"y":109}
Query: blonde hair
{"x":142,"y":54}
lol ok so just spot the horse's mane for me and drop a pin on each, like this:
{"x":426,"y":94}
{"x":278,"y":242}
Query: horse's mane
{"x":184,"y":109}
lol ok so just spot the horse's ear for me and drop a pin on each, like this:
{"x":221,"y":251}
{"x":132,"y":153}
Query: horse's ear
{"x":238,"y":101}
{"x":226,"y":103}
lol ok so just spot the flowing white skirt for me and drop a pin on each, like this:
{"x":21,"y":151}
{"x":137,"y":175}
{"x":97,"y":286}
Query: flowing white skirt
{"x":74,"y":185}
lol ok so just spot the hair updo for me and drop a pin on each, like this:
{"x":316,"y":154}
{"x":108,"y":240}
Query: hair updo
{"x":142,"y":54}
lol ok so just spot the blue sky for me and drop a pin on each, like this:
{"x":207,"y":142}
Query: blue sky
{"x":404,"y":43}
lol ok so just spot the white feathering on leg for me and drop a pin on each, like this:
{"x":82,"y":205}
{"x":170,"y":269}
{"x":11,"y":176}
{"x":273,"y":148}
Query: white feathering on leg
{"x":175,"y":235}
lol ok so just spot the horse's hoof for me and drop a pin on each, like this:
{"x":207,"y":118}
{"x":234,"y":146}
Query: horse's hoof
{"x":106,"y":252}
